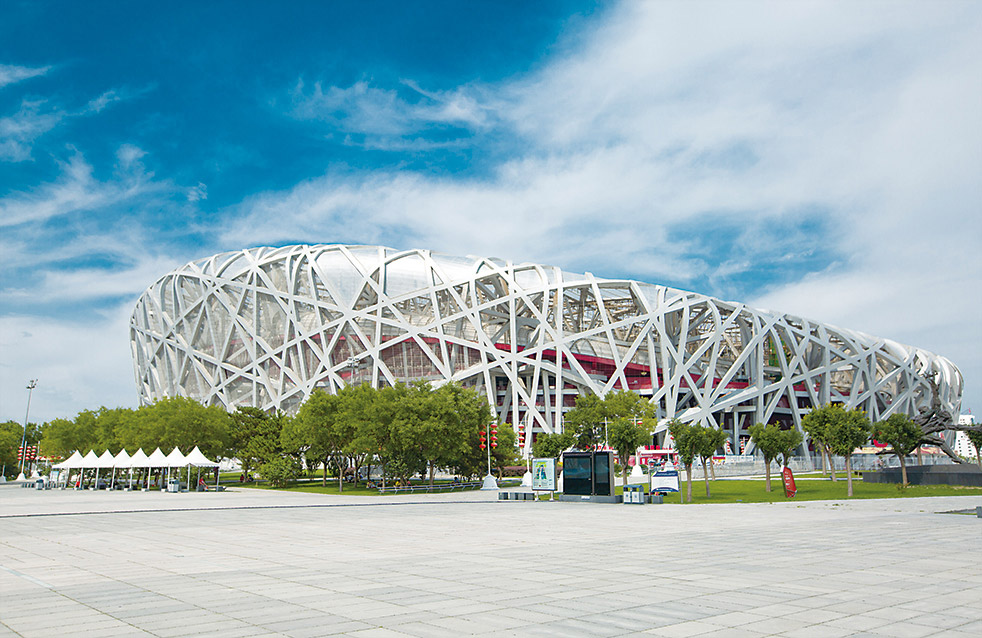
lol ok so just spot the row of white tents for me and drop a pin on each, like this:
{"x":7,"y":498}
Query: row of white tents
{"x":140,"y":460}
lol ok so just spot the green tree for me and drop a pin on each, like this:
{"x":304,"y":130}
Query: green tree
{"x":767,"y":439}
{"x":774,"y":442}
{"x":167,"y":423}
{"x":10,"y":435}
{"x":280,"y":471}
{"x":626,"y":436}
{"x":975,"y":438}
{"x":254,"y":437}
{"x":817,"y":424}
{"x":358,"y":409}
{"x":326,"y":431}
{"x":902,"y":435}
{"x":710,"y":440}
{"x":63,"y":436}
{"x":687,"y":439}
{"x":847,"y":432}
{"x":448,"y":420}
{"x":552,"y":445}
{"x":587,"y":421}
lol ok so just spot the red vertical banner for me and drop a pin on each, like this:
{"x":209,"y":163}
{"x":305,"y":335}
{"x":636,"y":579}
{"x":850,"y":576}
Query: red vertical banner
{"x":790,"y":489}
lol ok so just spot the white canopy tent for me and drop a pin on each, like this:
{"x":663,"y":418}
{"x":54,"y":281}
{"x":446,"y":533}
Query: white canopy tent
{"x":197,"y":459}
{"x":70,"y":463}
{"x":138,"y":460}
{"x":105,"y":461}
{"x":156,"y":459}
{"x":121,"y":461}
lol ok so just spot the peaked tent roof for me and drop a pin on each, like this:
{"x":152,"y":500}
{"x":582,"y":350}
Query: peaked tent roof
{"x":122,"y":459}
{"x":156,"y":459}
{"x":176,"y":459}
{"x":89,"y":460}
{"x":197,"y":459}
{"x":106,"y":460}
{"x":139,"y":459}
{"x":71,"y":462}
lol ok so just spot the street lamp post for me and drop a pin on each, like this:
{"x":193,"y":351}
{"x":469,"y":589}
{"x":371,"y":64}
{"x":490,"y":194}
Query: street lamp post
{"x":33,"y":383}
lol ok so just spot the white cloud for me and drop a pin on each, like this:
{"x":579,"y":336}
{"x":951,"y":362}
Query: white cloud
{"x":77,"y":190}
{"x":18,"y":131}
{"x":382,"y":114}
{"x":74,"y":361}
{"x":10,"y":74}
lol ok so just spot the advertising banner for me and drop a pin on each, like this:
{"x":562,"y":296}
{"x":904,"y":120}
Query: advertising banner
{"x":544,"y":475}
{"x":790,"y":489}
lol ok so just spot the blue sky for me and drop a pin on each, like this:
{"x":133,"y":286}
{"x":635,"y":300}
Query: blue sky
{"x":816,"y":158}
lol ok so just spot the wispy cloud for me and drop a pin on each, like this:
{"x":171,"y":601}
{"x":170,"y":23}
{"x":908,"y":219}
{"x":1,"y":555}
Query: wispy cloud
{"x":385,"y":116}
{"x":36,"y":116}
{"x":77,"y":190}
{"x":11,"y":74}
{"x":18,"y":131}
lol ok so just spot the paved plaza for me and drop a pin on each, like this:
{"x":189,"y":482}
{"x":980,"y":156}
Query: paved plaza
{"x":258,"y":563}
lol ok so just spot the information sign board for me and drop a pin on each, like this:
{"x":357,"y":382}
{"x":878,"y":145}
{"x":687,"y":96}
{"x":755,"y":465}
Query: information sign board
{"x":544,"y":475}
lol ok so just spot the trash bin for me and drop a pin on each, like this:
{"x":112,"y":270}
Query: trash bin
{"x":634,"y":494}
{"x":174,"y":485}
{"x":657,"y":498}
{"x":39,"y":484}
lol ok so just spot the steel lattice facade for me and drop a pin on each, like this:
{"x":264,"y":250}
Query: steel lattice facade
{"x":265,"y":326}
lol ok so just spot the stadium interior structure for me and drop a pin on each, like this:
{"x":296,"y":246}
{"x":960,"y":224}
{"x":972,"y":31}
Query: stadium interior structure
{"x":264,"y":327}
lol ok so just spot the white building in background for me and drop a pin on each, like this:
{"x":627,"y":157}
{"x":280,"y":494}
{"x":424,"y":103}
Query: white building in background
{"x":264,"y":327}
{"x":962,"y":446}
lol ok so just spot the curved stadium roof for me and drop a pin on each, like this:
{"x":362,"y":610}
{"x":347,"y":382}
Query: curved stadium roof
{"x":265,"y":326}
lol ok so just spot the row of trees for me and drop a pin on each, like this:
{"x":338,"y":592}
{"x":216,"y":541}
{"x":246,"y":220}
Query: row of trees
{"x":409,"y":429}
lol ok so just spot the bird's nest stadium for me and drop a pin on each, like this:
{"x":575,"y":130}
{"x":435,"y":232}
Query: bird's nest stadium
{"x":264,"y":327}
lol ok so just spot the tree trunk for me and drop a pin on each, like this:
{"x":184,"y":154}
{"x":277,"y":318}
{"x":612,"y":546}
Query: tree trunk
{"x":978,"y":456}
{"x":831,"y":466}
{"x":849,"y":474}
{"x":324,"y":473}
{"x":624,"y":473}
{"x":688,"y":482}
{"x":712,"y":469}
{"x":705,"y":477}
{"x":767,"y":474}
{"x":903,"y":469}
{"x":920,"y":458}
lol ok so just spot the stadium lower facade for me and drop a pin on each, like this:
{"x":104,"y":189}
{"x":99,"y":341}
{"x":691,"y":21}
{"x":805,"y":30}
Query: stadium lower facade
{"x":264,"y":327}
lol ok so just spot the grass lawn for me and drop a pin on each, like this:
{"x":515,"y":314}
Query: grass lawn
{"x":752,"y":491}
{"x":317,"y":486}
{"x":723,"y":490}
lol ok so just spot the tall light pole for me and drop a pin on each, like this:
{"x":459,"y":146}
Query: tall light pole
{"x":33,"y":383}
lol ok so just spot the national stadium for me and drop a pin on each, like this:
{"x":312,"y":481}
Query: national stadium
{"x":264,"y":327}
